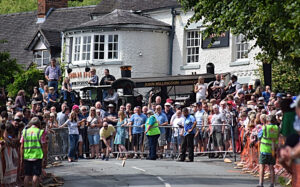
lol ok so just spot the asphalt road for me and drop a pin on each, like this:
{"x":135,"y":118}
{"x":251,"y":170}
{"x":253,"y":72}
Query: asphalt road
{"x":161,"y":173}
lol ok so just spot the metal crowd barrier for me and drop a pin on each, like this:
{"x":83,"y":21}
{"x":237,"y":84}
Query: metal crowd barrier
{"x":58,"y":143}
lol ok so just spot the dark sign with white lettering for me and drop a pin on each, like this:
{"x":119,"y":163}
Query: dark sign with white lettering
{"x":221,"y":41}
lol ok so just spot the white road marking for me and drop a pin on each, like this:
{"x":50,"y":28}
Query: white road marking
{"x":139,"y":169}
{"x":159,"y":178}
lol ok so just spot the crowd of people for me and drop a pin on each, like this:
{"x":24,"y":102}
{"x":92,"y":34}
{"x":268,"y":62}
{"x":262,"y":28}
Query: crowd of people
{"x":155,"y":130}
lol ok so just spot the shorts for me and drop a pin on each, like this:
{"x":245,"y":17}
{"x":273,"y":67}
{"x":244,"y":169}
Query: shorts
{"x":227,"y":135}
{"x":94,"y":139}
{"x":80,"y":138}
{"x":176,"y":140}
{"x":137,"y":139}
{"x":205,"y":134}
{"x":218,"y":140}
{"x":162,"y":140}
{"x":33,"y":168}
{"x":168,"y":135}
{"x":267,"y":159}
{"x":103,"y":144}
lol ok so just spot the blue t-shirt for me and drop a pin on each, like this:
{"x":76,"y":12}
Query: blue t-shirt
{"x":188,"y":124}
{"x":42,"y":91}
{"x":52,"y":96}
{"x":266,"y":96}
{"x":138,"y":120}
{"x":169,"y":114}
{"x":162,"y":118}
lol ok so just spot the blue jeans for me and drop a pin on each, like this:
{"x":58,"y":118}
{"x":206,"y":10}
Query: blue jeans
{"x":53,"y":84}
{"x":66,"y":94}
{"x":94,"y":139}
{"x":153,"y":140}
{"x":73,"y":142}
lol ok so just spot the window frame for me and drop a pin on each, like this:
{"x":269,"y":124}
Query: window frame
{"x":192,"y":50}
{"x":241,"y":52}
{"x":42,"y":58}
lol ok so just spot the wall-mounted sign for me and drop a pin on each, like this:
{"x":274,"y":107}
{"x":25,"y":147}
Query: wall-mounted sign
{"x":221,"y":41}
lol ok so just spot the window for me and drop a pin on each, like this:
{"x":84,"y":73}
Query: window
{"x":99,"y":42}
{"x":112,"y":46}
{"x":41,"y":57}
{"x":241,"y":47}
{"x":77,"y":48}
{"x":86,"y":48}
{"x":193,"y":45}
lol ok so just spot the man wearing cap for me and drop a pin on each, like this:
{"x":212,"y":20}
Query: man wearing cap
{"x":111,"y":116}
{"x":162,"y":121}
{"x":290,"y":154}
{"x":218,"y":127}
{"x":53,"y":74}
{"x":32,"y":151}
{"x":168,"y":111}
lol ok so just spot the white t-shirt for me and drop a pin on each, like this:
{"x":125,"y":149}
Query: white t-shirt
{"x":176,"y":122}
{"x":202,"y":90}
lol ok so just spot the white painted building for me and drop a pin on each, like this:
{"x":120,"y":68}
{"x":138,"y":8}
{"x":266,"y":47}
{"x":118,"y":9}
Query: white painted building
{"x":140,"y":37}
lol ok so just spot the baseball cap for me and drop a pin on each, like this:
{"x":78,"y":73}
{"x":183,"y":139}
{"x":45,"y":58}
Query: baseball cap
{"x":110,"y":106}
{"x":199,"y":103}
{"x":17,"y":118}
{"x":167,"y":104}
{"x":169,"y":100}
{"x":296,"y":102}
{"x":75,"y":107}
{"x":261,"y":98}
{"x":230,"y":102}
{"x":278,"y":95}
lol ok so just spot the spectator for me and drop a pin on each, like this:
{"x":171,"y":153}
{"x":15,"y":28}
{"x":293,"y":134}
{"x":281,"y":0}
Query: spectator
{"x":189,"y":133}
{"x":53,"y":74}
{"x":152,"y":131}
{"x":177,"y":128}
{"x":136,"y":134}
{"x":52,"y":123}
{"x":162,"y":121}
{"x":107,"y":134}
{"x":83,"y":139}
{"x":106,"y":80}
{"x":94,"y":81}
{"x":200,"y":89}
{"x":63,"y":116}
{"x":121,"y":132}
{"x":199,"y":135}
{"x":218,"y":128}
{"x":233,"y":86}
{"x":112,"y":97}
{"x":37,"y":96}
{"x":94,"y":123}
{"x":73,"y":124}
{"x":20,"y":101}
{"x":98,"y":106}
{"x":67,"y":90}
{"x":41,"y":86}
{"x":45,"y":95}
{"x":267,"y":94}
{"x":168,"y":111}
{"x":52,"y":98}
{"x":110,"y":116}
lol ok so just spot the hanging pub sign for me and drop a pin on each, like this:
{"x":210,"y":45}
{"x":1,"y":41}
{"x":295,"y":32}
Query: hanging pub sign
{"x":221,"y":41}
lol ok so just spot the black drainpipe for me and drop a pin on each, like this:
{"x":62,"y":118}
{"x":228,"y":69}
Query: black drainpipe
{"x":171,"y":40}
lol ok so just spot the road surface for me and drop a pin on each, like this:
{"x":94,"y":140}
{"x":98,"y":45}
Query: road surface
{"x":161,"y":173}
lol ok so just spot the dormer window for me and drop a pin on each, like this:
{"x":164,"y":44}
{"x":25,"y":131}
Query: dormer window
{"x":41,"y":58}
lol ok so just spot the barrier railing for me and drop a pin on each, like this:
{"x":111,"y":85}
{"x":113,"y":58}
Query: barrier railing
{"x":58,"y":143}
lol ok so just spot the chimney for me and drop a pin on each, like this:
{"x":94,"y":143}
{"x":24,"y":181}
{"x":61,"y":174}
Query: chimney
{"x":45,"y":5}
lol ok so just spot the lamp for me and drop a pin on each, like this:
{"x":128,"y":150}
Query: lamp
{"x":87,"y":69}
{"x":69,"y":70}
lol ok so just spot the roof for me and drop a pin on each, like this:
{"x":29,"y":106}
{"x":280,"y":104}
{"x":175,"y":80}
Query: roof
{"x":106,"y":6}
{"x":121,"y":17}
{"x":19,"y":29}
{"x":51,"y":38}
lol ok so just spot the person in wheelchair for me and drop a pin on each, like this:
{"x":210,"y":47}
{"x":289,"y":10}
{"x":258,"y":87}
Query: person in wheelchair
{"x":66,"y":90}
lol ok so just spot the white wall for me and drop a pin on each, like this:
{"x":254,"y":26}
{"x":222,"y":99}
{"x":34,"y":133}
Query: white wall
{"x":146,"y":51}
{"x":222,"y":58}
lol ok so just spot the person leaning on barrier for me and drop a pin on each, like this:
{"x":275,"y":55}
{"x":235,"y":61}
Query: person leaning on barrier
{"x":268,"y":144}
{"x":32,"y":152}
{"x":189,"y":133}
{"x":152,"y":132}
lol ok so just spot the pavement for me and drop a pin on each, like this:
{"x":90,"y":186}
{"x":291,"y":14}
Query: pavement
{"x":160,"y":173}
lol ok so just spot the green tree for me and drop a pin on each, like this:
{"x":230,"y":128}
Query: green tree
{"x":13,"y":6}
{"x":25,"y":80}
{"x":9,"y":68}
{"x":273,"y":25}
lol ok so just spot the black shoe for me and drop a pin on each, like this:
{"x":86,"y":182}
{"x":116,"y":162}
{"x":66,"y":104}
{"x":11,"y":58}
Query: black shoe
{"x":103,"y":157}
{"x":260,"y":185}
{"x":150,"y":158}
{"x":80,"y":157}
{"x":180,"y":160}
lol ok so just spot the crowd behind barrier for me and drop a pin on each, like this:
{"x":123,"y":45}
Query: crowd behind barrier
{"x":229,"y":124}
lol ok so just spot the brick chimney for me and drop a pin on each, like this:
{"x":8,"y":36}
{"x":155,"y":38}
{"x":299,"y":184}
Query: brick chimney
{"x":45,"y":5}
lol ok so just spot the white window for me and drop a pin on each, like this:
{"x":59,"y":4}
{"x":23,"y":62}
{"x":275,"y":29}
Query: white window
{"x":193,"y":46}
{"x":41,"y":57}
{"x":99,"y":43}
{"x":77,"y":48}
{"x":241,"y":47}
{"x":86,"y":48}
{"x":112,"y":46}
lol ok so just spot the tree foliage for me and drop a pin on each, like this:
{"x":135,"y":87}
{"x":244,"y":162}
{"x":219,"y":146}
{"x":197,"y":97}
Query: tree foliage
{"x":273,"y":25}
{"x":9,"y":68}
{"x":25,"y":80}
{"x":13,"y":6}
